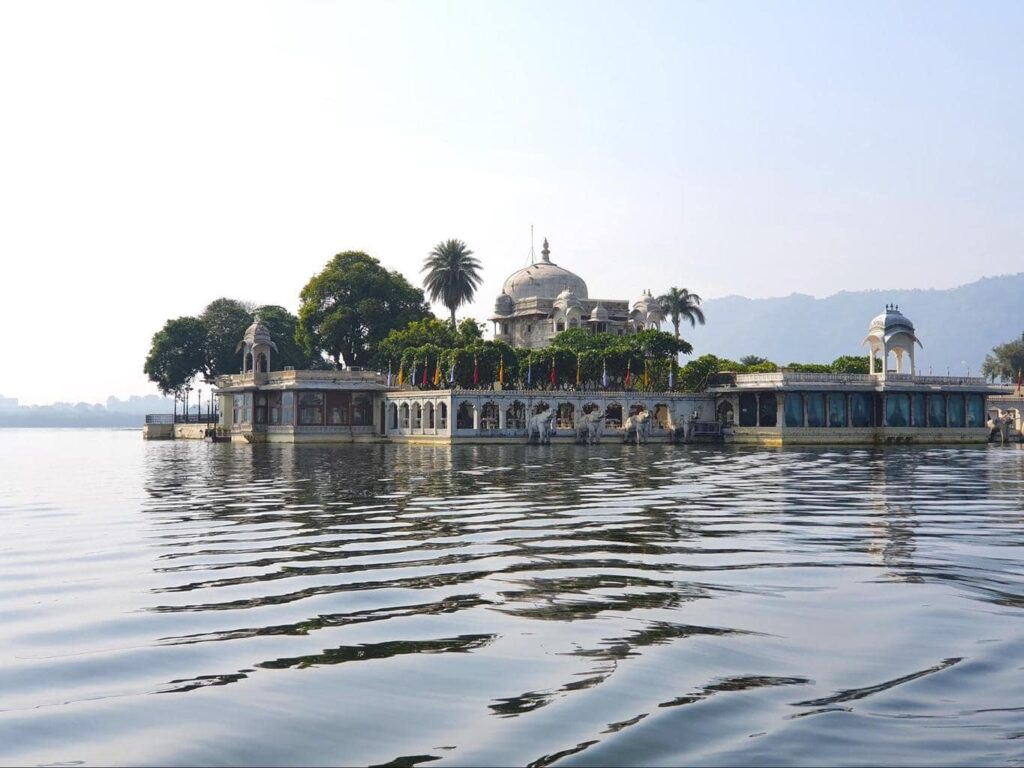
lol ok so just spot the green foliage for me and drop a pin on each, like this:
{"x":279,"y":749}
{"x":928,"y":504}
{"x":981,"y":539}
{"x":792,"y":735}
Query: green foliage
{"x":749,"y":360}
{"x":680,"y":305}
{"x":693,"y":377}
{"x":1005,"y":362}
{"x":850,"y":364}
{"x":225,"y":321}
{"x":453,"y":274}
{"x":177,"y":354}
{"x":351,"y":306}
{"x":809,"y":368}
{"x":282,"y":325}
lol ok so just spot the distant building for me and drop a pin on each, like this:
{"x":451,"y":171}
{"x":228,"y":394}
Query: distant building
{"x":8,"y":403}
{"x":542,"y":300}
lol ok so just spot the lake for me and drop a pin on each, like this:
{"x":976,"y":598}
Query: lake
{"x":188,"y":603}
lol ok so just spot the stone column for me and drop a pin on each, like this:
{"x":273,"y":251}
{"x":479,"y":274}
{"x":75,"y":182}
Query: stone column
{"x":757,"y":408}
{"x":780,"y":409}
{"x":476,"y":417}
{"x":502,"y":416}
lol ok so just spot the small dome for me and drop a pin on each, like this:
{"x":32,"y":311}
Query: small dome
{"x":504,"y":305}
{"x":891,"y":321}
{"x":257,"y":333}
{"x":648,"y":307}
{"x":543,"y":280}
{"x":599,"y":315}
{"x":567,"y":300}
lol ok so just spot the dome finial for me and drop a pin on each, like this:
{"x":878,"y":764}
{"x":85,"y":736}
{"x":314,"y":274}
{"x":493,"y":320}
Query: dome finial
{"x":545,"y":252}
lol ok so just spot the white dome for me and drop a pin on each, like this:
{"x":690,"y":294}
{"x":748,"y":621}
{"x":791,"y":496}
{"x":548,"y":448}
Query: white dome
{"x":544,"y":280}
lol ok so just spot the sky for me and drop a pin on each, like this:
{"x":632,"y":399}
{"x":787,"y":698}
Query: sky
{"x":156,"y":156}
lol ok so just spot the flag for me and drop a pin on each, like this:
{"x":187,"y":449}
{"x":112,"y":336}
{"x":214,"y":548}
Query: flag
{"x":476,"y":372}
{"x":437,"y":372}
{"x":401,"y":374}
{"x":672,"y":374}
{"x":647,"y":378}
{"x":604,"y":375}
{"x":424,"y":381}
{"x":389,"y":373}
{"x":629,"y":373}
{"x":501,"y":371}
{"x":577,"y":370}
{"x":554,"y":372}
{"x":529,"y":374}
{"x":451,"y":374}
{"x":1018,"y":381}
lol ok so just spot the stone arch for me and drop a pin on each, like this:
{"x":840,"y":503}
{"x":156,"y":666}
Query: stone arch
{"x":540,"y":407}
{"x":428,"y":415}
{"x":263,"y":363}
{"x":403,"y":414}
{"x":442,"y":415}
{"x":490,"y":415}
{"x":393,"y":416}
{"x":464,"y":416}
{"x":590,"y":407}
{"x":662,"y":416}
{"x":417,"y":416}
{"x":515,"y":415}
{"x":724,"y":413}
{"x":613,"y":416}
{"x":566,"y":416}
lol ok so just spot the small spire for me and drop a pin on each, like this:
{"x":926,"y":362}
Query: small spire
{"x":545,"y":252}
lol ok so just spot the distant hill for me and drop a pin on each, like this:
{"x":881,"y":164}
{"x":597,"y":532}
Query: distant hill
{"x":955,"y":325}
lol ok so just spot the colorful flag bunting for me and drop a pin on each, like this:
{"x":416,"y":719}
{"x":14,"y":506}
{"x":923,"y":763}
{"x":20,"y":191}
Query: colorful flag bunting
{"x":501,"y":371}
{"x":424,"y":380}
{"x":476,"y":372}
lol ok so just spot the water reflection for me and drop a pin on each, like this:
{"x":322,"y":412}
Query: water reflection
{"x":535,"y":605}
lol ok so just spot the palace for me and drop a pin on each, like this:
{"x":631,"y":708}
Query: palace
{"x":542,"y":300}
{"x":891,"y":405}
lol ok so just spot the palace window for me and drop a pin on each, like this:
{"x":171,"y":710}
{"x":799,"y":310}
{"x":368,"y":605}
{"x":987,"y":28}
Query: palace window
{"x":861,"y":414}
{"x":311,"y":408}
{"x":815,"y":403}
{"x":362,"y":410}
{"x":936,"y":410}
{"x":897,"y":410}
{"x":955,"y":406}
{"x":975,"y":411}
{"x":794,"y":408}
{"x":837,"y":409}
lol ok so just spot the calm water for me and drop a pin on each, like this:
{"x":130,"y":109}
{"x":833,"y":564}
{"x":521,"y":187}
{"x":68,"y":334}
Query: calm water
{"x":188,"y":603}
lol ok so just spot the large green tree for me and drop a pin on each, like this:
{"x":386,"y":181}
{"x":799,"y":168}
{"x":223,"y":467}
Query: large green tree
{"x":681,"y":305}
{"x":1005,"y":362}
{"x":225,"y":321}
{"x":351,"y":305}
{"x":283,"y":325}
{"x":177,"y":354}
{"x":453,"y":274}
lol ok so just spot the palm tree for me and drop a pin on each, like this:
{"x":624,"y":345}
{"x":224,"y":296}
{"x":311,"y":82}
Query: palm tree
{"x":452,"y":274}
{"x":679,"y":303}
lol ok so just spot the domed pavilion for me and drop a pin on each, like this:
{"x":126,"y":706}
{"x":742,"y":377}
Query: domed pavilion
{"x":543,"y":299}
{"x":891,"y":333}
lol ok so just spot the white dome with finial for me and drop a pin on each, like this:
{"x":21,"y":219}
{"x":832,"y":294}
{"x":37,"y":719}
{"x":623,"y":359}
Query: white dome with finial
{"x":544,"y":280}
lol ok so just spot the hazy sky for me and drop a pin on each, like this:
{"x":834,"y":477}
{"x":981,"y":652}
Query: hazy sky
{"x":156,"y":156}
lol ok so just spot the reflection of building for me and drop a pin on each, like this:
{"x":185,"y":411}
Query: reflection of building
{"x":544,"y":299}
{"x":884,"y":406}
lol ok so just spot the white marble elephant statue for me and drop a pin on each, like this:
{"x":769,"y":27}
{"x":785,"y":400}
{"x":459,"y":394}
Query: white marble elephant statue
{"x":637,"y":427}
{"x":540,"y":427}
{"x":589,"y":427}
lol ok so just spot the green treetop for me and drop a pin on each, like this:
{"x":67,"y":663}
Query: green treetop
{"x":351,"y":305}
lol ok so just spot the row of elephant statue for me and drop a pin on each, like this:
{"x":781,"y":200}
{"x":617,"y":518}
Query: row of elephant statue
{"x":540,"y":427}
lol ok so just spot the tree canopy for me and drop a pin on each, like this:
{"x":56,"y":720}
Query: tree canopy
{"x":681,"y":305}
{"x":225,"y":321}
{"x":178,"y":352}
{"x":351,"y":305}
{"x":1005,"y":362}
